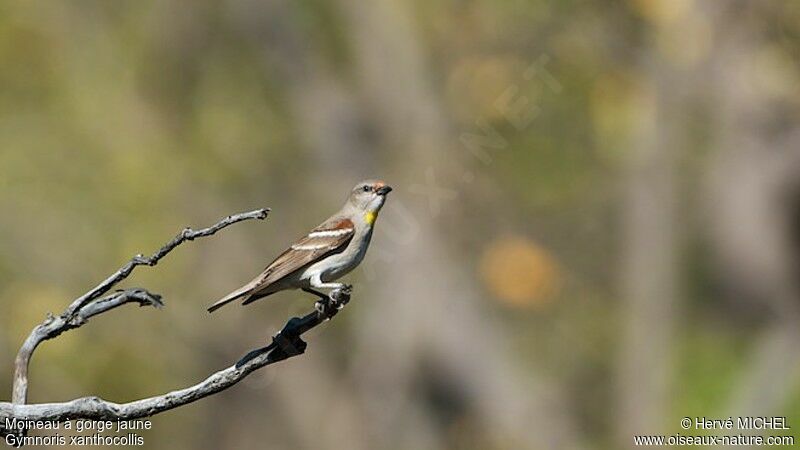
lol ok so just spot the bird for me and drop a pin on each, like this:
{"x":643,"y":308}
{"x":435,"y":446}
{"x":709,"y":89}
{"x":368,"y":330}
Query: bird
{"x":324,"y":255}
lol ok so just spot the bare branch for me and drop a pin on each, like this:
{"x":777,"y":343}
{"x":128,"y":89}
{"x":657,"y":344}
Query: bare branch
{"x":88,"y":304}
{"x":54,"y":326}
{"x":286,"y":344}
{"x":140,"y":260}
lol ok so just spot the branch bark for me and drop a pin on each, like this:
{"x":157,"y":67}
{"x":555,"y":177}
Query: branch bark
{"x":286,"y":344}
{"x":54,"y":326}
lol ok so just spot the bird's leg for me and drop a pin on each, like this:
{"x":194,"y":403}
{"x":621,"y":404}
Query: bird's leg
{"x":316,"y":292}
{"x":317,"y":283}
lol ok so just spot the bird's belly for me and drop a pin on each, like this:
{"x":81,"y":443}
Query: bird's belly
{"x":337,"y":266}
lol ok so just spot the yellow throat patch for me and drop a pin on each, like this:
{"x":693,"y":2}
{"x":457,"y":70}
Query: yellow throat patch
{"x":370,"y":217}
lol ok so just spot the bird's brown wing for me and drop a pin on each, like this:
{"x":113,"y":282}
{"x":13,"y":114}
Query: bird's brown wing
{"x":328,"y":238}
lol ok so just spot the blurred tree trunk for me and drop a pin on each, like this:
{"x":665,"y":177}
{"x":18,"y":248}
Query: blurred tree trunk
{"x":653,"y":231}
{"x":472,"y":358}
{"x":753,"y":198}
{"x":650,"y":250}
{"x":751,"y":210}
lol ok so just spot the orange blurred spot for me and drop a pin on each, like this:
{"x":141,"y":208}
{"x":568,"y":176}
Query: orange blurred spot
{"x":662,"y":12}
{"x":519,"y":273}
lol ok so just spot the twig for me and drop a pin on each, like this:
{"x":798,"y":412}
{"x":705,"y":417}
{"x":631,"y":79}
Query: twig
{"x":88,"y":304}
{"x":140,"y":260}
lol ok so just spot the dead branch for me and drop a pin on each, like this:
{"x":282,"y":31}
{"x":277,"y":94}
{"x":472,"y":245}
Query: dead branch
{"x":285,"y":344}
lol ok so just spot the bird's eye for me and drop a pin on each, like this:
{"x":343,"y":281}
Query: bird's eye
{"x":365,"y":188}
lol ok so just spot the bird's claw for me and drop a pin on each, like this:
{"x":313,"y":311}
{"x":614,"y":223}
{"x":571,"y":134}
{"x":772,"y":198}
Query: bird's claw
{"x":336,"y":299}
{"x":340,"y":297}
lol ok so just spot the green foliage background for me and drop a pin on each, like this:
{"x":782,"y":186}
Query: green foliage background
{"x":122,"y":122}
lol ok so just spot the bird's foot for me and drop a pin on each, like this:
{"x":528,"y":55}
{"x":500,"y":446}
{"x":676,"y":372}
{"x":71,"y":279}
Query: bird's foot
{"x":329,"y":304}
{"x":341,"y":296}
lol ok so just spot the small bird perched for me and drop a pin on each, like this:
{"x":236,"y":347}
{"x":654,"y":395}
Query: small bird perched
{"x":327,"y":253}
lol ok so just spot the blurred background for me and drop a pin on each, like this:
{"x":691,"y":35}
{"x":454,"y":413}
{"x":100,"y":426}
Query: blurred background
{"x":594,"y":230}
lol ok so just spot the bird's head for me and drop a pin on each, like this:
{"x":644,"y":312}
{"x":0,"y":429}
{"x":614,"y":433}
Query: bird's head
{"x":368,"y":197}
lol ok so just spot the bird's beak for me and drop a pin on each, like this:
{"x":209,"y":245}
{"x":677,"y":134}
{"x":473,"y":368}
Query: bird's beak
{"x":383,"y":190}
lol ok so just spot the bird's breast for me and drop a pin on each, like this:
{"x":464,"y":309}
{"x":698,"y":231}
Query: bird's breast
{"x":338,"y":265}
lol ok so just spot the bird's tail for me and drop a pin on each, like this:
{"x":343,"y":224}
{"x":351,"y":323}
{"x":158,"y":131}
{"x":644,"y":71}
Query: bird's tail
{"x":239,"y":293}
